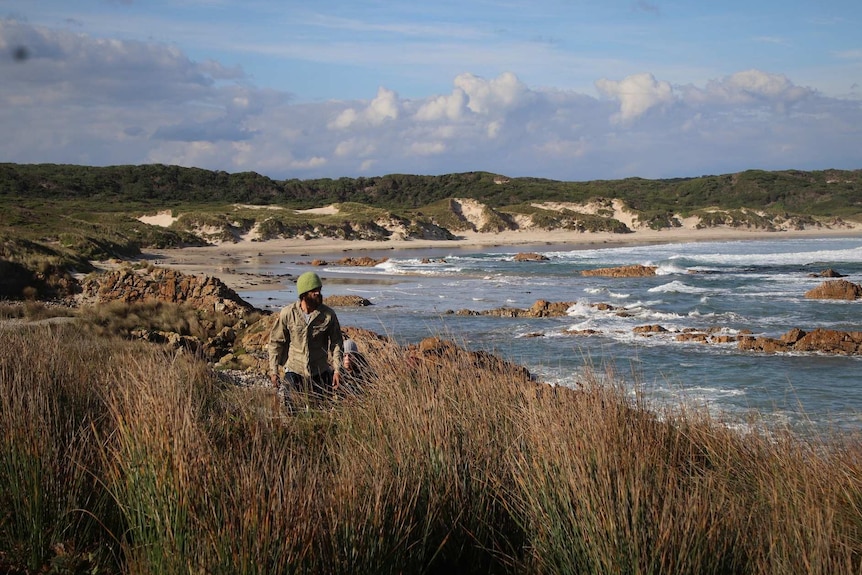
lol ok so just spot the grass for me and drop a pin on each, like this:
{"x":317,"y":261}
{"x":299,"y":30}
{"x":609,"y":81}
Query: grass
{"x":126,"y":457}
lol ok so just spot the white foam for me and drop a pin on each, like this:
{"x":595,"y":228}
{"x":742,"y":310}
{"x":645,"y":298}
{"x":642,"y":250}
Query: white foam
{"x":677,"y":286}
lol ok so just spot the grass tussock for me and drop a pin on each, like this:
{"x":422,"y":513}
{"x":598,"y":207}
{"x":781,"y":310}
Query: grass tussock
{"x":122,"y":318}
{"x":123,"y":457}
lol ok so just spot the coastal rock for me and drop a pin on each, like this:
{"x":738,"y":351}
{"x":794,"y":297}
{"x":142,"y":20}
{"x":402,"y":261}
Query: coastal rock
{"x":819,"y":340}
{"x":827,"y":273}
{"x":165,"y":285}
{"x":530,"y":257}
{"x":649,"y":329}
{"x":836,"y":289}
{"x":364,"y":261}
{"x":622,"y":271}
{"x":346,"y":301}
{"x":433,"y":348}
{"x":541,"y":308}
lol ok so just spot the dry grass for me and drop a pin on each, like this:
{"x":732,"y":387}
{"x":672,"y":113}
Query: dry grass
{"x":124,"y":457}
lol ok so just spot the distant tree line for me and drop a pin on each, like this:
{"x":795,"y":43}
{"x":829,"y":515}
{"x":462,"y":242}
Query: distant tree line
{"x":818,"y":193}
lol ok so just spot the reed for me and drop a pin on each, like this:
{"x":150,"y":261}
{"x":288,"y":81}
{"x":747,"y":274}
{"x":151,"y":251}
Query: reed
{"x":126,"y":457}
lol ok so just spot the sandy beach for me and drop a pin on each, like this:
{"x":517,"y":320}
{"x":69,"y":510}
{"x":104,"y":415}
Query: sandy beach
{"x":235,"y":263}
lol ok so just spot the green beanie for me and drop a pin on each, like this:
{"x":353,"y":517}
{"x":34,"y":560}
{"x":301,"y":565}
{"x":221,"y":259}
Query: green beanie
{"x":307,"y":282}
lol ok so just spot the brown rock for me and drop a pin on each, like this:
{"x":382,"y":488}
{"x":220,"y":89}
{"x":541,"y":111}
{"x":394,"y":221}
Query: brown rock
{"x":698,"y":337}
{"x":649,"y":329}
{"x":530,"y":257}
{"x":827,"y":273}
{"x":346,"y":301}
{"x":622,"y":271}
{"x":166,"y":285}
{"x":364,"y":261}
{"x":818,"y":340}
{"x":836,"y":289}
{"x":830,"y":341}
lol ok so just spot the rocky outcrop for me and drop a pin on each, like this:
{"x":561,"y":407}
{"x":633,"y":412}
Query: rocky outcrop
{"x":530,"y":257}
{"x":433,"y":348}
{"x":364,"y":261}
{"x":541,"y":308}
{"x":346,"y":301}
{"x":827,"y":273}
{"x":164,"y":285}
{"x":622,"y":271}
{"x":836,"y":289}
{"x":796,"y":340}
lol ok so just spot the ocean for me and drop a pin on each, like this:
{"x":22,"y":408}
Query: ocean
{"x":727,"y":286}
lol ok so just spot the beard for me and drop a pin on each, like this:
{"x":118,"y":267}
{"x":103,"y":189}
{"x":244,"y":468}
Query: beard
{"x":312,"y":301}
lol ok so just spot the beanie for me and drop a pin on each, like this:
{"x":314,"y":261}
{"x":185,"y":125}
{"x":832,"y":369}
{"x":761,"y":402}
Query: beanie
{"x":307,"y":282}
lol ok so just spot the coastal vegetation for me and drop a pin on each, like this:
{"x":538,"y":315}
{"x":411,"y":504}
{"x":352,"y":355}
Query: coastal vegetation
{"x":125,"y":457}
{"x":55,"y":219}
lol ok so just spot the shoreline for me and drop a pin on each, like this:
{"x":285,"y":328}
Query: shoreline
{"x":235,"y":263}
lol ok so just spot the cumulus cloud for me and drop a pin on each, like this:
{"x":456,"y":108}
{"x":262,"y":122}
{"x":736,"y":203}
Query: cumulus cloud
{"x":449,"y":107}
{"x":77,"y":99}
{"x":637,"y":95}
{"x":749,"y":87}
{"x":385,"y":106}
{"x":500,"y":94}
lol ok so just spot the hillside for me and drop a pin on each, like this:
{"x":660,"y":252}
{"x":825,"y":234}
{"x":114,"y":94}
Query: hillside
{"x":56,"y":218}
{"x":816,"y":193}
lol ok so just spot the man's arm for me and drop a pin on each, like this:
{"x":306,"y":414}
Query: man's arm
{"x":336,"y":348}
{"x":279,"y":341}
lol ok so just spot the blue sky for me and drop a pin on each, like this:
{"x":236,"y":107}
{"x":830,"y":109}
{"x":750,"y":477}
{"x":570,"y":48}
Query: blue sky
{"x":570,"y":90}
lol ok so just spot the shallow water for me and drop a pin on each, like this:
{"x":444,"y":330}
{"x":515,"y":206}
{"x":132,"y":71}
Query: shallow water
{"x":758,"y":285}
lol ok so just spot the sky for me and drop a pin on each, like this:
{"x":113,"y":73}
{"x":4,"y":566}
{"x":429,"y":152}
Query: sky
{"x":563,"y":89}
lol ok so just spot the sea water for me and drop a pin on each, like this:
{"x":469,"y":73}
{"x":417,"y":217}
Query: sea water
{"x":756,"y":286}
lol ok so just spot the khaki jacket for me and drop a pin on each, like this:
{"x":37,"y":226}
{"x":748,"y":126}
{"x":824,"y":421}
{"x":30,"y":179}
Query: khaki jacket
{"x":307,"y":348}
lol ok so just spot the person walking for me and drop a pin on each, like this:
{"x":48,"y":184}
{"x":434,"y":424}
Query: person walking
{"x":356,"y":372}
{"x":306,"y":342}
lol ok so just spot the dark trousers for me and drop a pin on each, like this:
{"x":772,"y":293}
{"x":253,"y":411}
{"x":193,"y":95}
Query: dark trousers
{"x":319,"y":384}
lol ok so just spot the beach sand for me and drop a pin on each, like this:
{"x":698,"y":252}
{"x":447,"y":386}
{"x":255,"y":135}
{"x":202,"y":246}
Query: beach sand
{"x":236,"y":263}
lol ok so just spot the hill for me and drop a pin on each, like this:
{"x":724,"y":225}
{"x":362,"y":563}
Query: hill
{"x":54,"y":219}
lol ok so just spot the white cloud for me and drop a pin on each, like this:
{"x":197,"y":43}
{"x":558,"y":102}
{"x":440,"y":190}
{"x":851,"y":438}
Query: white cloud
{"x":82,"y":100}
{"x":427,"y":148}
{"x":385,"y":106}
{"x":746,"y":88}
{"x":503,"y":93}
{"x":443,"y":107}
{"x":637,"y":95}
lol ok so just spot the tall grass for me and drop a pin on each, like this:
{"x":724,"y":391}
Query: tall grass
{"x":125,"y":457}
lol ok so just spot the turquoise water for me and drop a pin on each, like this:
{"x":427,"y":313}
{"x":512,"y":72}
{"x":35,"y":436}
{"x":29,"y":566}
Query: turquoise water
{"x":731,"y":286}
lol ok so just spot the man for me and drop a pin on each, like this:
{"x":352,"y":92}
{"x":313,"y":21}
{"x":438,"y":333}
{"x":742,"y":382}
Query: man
{"x":306,"y":340}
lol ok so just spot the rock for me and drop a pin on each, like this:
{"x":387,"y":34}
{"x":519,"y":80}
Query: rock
{"x":544,"y":308}
{"x":792,"y":336}
{"x":364,"y":261}
{"x":530,"y":257}
{"x":827,"y":273}
{"x":432,"y":348}
{"x":836,"y":289}
{"x":346,"y":301}
{"x":165,"y":285}
{"x":649,"y":329}
{"x":762,"y":344}
{"x":818,"y":340}
{"x":831,"y":341}
{"x":622,"y":271}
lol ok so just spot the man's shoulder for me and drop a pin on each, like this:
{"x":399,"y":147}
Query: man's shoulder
{"x":326,"y":310}
{"x":289,"y":309}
